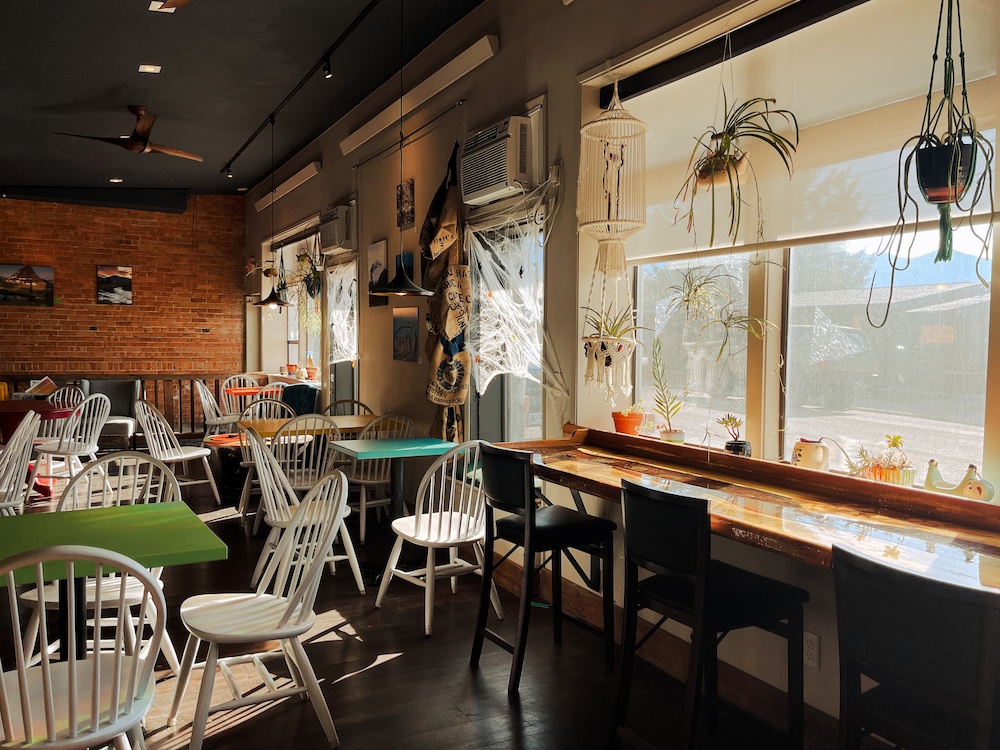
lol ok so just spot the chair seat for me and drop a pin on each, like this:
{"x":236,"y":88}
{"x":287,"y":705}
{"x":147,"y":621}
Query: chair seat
{"x":557,"y":527}
{"x":439,"y":529}
{"x":60,"y":692}
{"x":241,"y":618}
{"x":735,"y":597}
{"x":68,"y":449}
{"x":119,"y":426}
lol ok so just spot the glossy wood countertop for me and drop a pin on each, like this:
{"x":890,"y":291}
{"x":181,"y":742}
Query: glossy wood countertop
{"x":795,"y":512}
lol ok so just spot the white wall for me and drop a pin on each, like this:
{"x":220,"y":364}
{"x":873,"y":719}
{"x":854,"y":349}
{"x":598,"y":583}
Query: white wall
{"x":544,"y":48}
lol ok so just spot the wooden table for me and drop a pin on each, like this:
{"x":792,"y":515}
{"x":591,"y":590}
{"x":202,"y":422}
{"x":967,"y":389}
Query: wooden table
{"x":396,"y":449}
{"x":154,"y":535}
{"x":244,"y":390}
{"x":12,"y":412}
{"x":795,"y":512}
{"x":350,"y":424}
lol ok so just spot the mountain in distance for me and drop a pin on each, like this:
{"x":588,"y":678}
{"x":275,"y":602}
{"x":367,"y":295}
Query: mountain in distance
{"x":923,"y":270}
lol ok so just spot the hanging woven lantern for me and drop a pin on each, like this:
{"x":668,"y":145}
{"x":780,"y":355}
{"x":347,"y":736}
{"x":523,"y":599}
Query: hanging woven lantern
{"x":611,"y":206}
{"x":611,"y":194}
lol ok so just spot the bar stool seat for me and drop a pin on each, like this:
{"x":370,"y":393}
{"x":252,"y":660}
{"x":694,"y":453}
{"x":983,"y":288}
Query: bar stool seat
{"x":669,"y":534}
{"x":508,"y":483}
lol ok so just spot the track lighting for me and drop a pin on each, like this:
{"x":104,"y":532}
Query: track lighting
{"x":327,"y":73}
{"x":229,"y":173}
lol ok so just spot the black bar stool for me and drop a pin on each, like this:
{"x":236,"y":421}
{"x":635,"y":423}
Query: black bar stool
{"x":508,"y":482}
{"x":932,"y":647}
{"x":669,"y":535}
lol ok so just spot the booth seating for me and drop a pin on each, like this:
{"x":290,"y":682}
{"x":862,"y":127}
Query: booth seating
{"x":301,"y":397}
{"x":119,"y":431}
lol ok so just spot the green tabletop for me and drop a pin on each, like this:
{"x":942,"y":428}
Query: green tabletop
{"x":393,"y":447}
{"x":154,"y":535}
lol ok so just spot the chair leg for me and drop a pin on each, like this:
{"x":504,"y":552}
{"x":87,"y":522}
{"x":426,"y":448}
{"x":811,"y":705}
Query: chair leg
{"x":200,"y":721}
{"x":523,"y":617}
{"x":363,"y":513}
{"x":211,"y":479}
{"x":270,"y":544}
{"x":352,"y":557}
{"x":452,"y":559}
{"x":31,"y":635}
{"x":711,"y":668}
{"x":486,"y":560}
{"x":608,"y":597}
{"x":184,"y":676}
{"x":693,"y":690}
{"x":796,"y":700}
{"x":624,"y":687}
{"x":245,"y":494}
{"x":494,"y":595}
{"x":430,"y":579}
{"x":557,"y":613}
{"x":391,"y":563}
{"x":315,"y":693}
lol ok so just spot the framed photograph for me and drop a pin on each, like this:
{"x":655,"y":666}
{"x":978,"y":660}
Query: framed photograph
{"x":378,"y":271}
{"x":405,"y":334}
{"x":405,"y":216}
{"x":27,"y":285}
{"x":114,"y":285}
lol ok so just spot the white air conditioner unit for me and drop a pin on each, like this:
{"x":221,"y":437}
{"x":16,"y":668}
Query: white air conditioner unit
{"x":336,"y":230}
{"x":496,"y":161}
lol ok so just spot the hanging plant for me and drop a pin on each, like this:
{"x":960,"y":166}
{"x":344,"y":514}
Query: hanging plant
{"x":943,"y":157}
{"x":720,"y":157}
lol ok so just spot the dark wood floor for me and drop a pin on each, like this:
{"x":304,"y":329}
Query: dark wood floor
{"x":389,"y":686}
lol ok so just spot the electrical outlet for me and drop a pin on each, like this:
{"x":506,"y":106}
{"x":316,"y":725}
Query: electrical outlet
{"x":810,"y":649}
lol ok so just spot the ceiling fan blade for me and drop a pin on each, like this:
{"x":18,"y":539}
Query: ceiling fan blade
{"x":143,"y":127}
{"x":156,"y":148}
{"x":174,"y":3}
{"x":129,"y":144}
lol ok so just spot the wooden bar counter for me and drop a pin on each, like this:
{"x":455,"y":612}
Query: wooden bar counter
{"x":795,"y":512}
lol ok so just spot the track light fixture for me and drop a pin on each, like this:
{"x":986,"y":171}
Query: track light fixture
{"x":229,"y":173}
{"x":327,"y":73}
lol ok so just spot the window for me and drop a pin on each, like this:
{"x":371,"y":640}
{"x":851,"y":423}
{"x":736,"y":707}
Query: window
{"x":923,"y":375}
{"x":342,"y":326}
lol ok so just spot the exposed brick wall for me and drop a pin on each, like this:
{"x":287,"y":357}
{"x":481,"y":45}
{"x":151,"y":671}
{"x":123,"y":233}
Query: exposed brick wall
{"x":187,"y":275}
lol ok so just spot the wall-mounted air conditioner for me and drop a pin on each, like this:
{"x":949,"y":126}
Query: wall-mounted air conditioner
{"x":336,"y":230}
{"x":496,"y":161}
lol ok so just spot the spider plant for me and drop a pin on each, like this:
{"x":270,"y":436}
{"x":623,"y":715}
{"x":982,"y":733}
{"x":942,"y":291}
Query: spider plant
{"x":720,"y":155}
{"x":611,"y":323}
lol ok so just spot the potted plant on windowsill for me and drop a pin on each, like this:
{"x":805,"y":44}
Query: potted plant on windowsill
{"x":666,"y":403}
{"x":890,"y":465}
{"x":630,"y":419}
{"x":736,"y":446}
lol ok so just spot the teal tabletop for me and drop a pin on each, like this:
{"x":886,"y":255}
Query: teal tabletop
{"x":154,"y":535}
{"x":393,"y":447}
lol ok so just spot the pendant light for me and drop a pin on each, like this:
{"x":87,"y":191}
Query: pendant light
{"x":275,"y":300}
{"x":401,"y":285}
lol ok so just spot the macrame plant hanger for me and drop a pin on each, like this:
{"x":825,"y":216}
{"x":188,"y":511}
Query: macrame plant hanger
{"x":611,"y":206}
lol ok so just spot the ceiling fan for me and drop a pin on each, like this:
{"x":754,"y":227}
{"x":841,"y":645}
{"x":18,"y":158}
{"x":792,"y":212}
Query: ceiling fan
{"x":173,"y":4}
{"x":138,"y":142}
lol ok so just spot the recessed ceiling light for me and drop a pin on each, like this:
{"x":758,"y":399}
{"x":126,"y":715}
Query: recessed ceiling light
{"x":241,"y":190}
{"x":158,"y":7}
{"x":149,"y":68}
{"x":116,"y":180}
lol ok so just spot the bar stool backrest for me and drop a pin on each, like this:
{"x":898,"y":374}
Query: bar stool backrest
{"x":666,"y":533}
{"x":931,"y":646}
{"x":508,"y":481}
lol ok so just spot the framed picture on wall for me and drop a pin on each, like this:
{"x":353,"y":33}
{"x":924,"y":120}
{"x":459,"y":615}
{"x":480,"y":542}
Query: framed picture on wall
{"x":114,"y":285}
{"x":405,"y":332}
{"x":378,"y":271}
{"x":27,"y":285}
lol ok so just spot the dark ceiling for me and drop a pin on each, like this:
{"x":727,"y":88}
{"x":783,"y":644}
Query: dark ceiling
{"x":226,"y":65}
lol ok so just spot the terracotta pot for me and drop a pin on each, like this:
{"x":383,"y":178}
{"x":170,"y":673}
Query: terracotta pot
{"x":292,"y":367}
{"x":311,"y":373}
{"x":627,"y":423}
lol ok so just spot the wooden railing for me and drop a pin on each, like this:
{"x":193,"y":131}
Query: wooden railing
{"x":173,"y":395}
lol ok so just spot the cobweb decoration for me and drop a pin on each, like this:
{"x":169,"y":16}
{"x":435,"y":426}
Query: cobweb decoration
{"x":342,"y":288}
{"x":506,"y":307}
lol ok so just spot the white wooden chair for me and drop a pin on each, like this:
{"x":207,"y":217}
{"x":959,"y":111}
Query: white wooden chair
{"x":272,"y":390}
{"x":124,"y":478}
{"x":279,"y":499}
{"x":267,"y":408}
{"x":302,"y":447}
{"x":281,"y":609}
{"x":450,"y":513}
{"x":14,"y":462}
{"x":347,"y":406}
{"x":78,"y":438}
{"x":216,"y":423}
{"x":370,"y":476}
{"x":67,"y":397}
{"x":163,"y":445}
{"x":236,"y":404}
{"x":51,"y":705}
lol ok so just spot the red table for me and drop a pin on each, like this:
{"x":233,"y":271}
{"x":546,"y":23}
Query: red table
{"x":12,"y":412}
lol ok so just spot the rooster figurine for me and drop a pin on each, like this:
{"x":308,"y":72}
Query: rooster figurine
{"x":970,"y":486}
